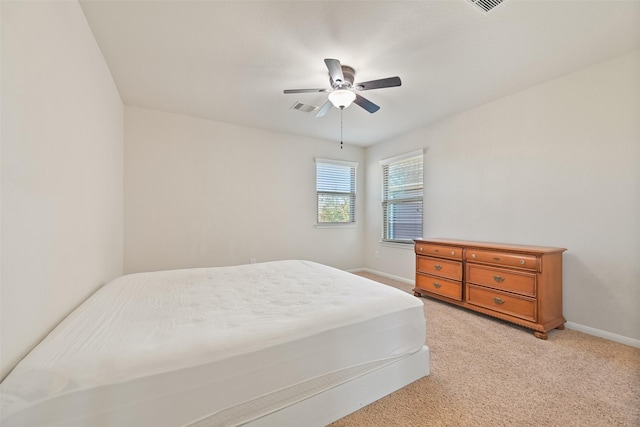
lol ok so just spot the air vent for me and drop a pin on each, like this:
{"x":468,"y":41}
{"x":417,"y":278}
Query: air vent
{"x":304,"y":107}
{"x":486,"y":5}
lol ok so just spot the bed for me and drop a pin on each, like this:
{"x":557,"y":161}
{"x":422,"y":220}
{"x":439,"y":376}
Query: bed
{"x":270,"y":344}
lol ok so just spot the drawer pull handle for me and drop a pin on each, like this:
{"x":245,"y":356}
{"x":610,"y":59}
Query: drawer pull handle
{"x":498,"y":300}
{"x":453,"y":252}
{"x":473,"y":255}
{"x":436,"y":250}
{"x":436,"y":285}
{"x":498,"y":279}
{"x":420,"y":248}
{"x":521,"y":261}
{"x":496,"y":258}
{"x":437,"y":267}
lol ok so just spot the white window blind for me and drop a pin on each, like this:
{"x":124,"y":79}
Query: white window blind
{"x":402,"y":197}
{"x":336,"y":191}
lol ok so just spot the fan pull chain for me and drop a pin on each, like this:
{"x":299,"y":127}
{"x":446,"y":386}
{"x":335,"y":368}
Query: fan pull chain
{"x":341,"y":110}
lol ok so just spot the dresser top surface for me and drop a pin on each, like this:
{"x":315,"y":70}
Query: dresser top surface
{"x":491,"y":245}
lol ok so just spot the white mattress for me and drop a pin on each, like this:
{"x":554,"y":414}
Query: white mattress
{"x":227,"y":345}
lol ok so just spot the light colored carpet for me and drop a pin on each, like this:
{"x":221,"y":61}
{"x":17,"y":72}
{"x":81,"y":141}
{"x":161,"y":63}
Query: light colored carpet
{"x":485,"y":372}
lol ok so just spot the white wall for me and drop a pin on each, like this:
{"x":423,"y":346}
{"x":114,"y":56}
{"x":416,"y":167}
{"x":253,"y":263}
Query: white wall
{"x":62,"y":137}
{"x":558,"y":165}
{"x":203,"y":193}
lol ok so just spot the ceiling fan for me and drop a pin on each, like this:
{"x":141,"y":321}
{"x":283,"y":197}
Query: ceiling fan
{"x":343,"y":90}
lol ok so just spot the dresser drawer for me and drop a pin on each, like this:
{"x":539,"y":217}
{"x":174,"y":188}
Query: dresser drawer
{"x":439,"y":267}
{"x":507,"y":259}
{"x":440,"y":286}
{"x":506,"y":280}
{"x":502,"y":302}
{"x":439,"y":250}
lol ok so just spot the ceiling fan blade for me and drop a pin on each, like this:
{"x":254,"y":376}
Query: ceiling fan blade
{"x":324,"y":109}
{"x":366,"y":104}
{"x":335,"y":70}
{"x":379,"y":84}
{"x":305,"y":90}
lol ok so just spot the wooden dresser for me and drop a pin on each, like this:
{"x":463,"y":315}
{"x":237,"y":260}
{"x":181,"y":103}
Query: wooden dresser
{"x":517,"y":283}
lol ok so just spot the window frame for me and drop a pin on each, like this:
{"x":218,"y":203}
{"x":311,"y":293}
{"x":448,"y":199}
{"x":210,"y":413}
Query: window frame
{"x":387,"y":201}
{"x":353,"y":166}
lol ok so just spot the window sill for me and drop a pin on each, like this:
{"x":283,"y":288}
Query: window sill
{"x":337,"y":225}
{"x":406,"y":246}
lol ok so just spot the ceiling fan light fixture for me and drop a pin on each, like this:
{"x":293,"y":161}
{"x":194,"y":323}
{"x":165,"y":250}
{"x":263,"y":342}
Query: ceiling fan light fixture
{"x":342,"y":98}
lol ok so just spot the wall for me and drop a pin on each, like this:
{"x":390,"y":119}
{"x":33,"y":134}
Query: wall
{"x":203,"y":193}
{"x":558,"y":165}
{"x":62,"y":137}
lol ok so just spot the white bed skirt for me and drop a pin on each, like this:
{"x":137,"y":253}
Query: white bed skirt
{"x":340,"y":401}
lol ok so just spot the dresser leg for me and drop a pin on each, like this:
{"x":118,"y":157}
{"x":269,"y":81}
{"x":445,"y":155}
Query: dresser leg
{"x":417,"y":294}
{"x":541,"y":335}
{"x":561,"y":327}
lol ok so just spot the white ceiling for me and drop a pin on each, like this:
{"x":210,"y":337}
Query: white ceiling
{"x":230,"y":60}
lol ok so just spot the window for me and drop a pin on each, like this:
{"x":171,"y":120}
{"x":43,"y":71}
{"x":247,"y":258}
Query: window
{"x":336,"y":190}
{"x":402,"y":178}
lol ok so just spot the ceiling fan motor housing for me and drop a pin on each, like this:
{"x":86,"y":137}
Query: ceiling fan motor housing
{"x":349,"y":76}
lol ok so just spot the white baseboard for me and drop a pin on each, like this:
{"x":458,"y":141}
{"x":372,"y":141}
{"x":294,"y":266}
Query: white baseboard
{"x":387,"y":275}
{"x":571,"y":325}
{"x":604,"y":334}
